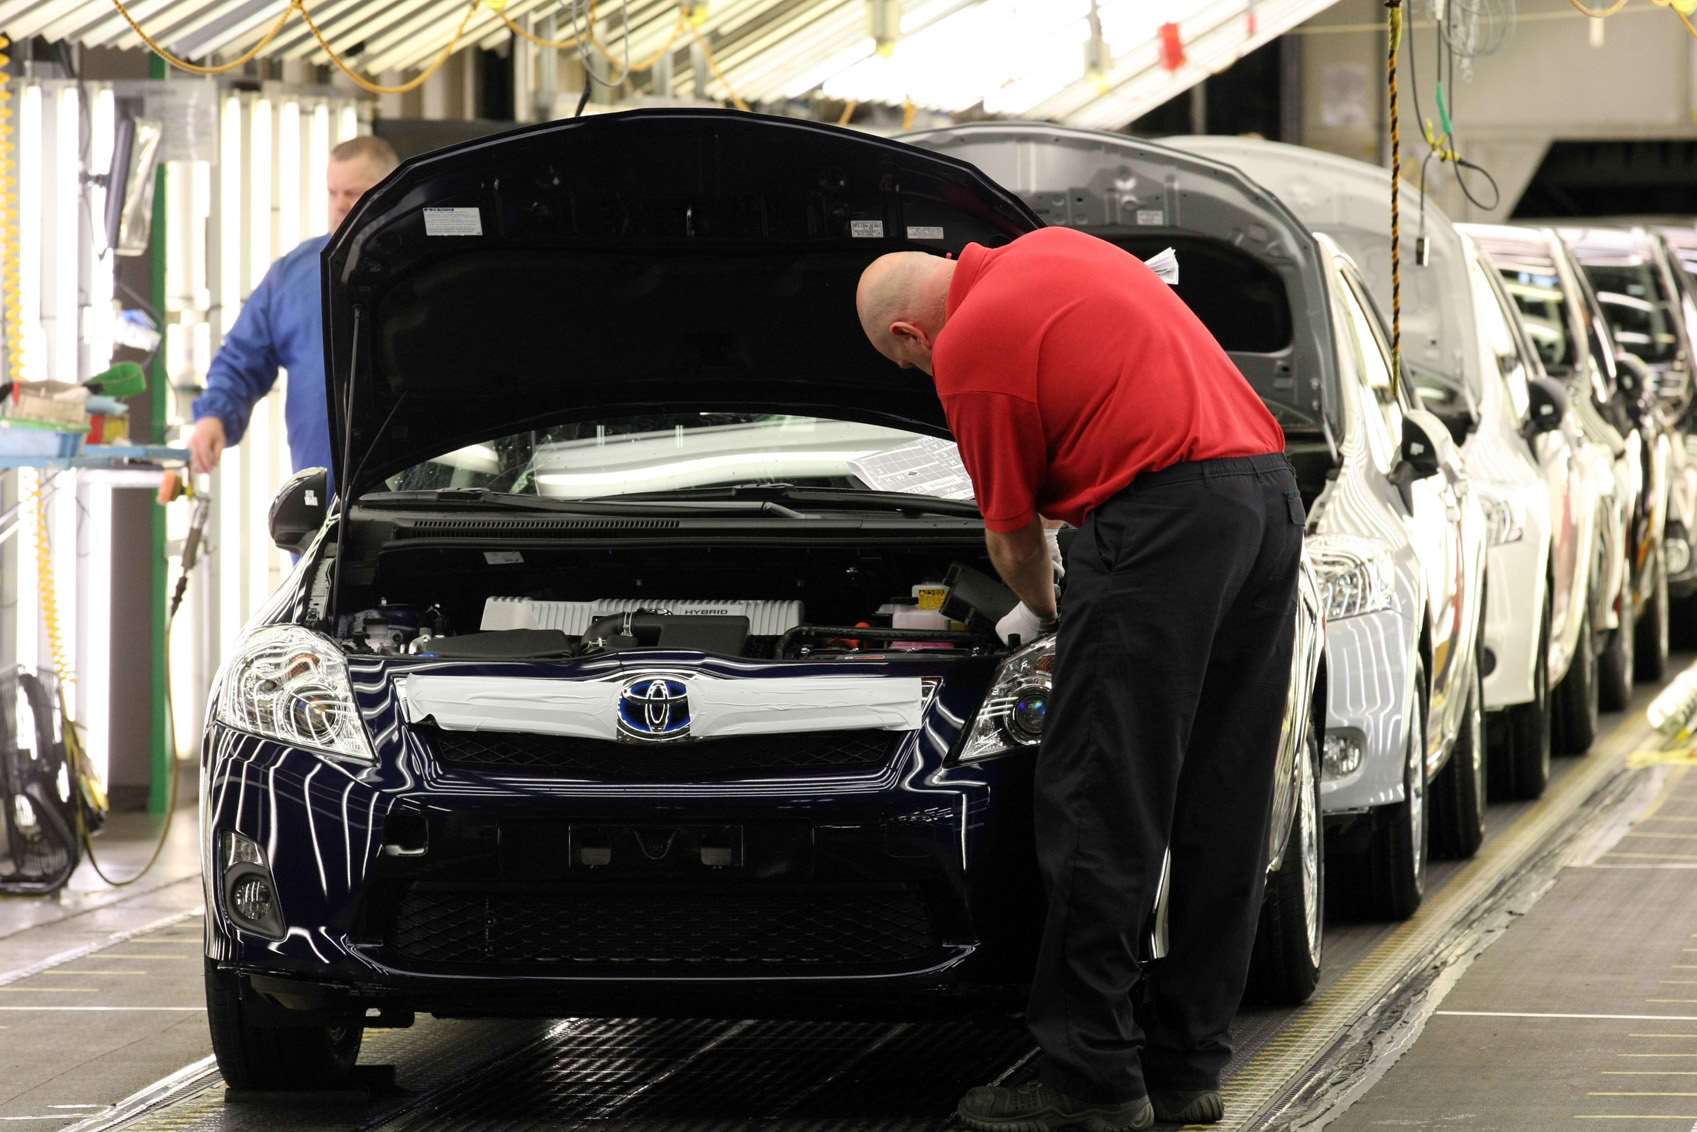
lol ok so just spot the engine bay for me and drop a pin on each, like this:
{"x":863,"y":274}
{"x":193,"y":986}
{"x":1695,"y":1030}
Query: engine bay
{"x":785,"y":602}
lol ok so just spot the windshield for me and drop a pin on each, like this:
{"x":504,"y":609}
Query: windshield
{"x":1637,"y":310}
{"x":1544,"y":311}
{"x":665,"y":452}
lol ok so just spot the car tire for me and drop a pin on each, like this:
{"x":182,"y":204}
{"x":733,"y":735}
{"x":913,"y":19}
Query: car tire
{"x":254,"y":1055}
{"x":1459,"y":791}
{"x":1575,"y":703}
{"x":1520,"y":767}
{"x":1616,"y":663}
{"x":1285,"y":965}
{"x":1396,"y":857}
{"x":1652,"y":628}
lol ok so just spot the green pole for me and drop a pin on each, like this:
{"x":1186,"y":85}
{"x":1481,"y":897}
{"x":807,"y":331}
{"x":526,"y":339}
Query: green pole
{"x":161,"y":746}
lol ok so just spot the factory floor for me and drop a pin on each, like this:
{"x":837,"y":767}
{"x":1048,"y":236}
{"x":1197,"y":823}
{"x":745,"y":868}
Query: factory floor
{"x":1550,"y":982}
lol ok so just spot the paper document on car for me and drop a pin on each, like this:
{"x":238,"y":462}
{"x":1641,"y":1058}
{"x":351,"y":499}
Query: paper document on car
{"x":926,"y":466}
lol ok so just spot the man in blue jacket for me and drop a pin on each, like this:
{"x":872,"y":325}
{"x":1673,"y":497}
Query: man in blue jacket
{"x":282,"y":327}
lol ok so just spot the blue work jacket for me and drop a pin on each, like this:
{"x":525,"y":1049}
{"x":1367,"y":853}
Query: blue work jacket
{"x":281,"y":326}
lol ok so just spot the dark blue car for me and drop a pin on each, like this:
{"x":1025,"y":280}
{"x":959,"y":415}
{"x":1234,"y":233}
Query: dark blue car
{"x":646,"y":664}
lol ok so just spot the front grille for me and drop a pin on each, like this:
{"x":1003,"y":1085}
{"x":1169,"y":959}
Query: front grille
{"x":817,"y":752}
{"x":692,"y":931}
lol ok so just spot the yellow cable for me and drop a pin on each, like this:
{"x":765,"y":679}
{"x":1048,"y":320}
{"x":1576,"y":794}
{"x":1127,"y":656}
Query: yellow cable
{"x":518,"y":30}
{"x":849,"y":108}
{"x":1686,"y":20}
{"x":11,"y":274}
{"x":1394,"y":18}
{"x":909,"y":112}
{"x":221,"y":68}
{"x":413,"y":84}
{"x":713,"y":65}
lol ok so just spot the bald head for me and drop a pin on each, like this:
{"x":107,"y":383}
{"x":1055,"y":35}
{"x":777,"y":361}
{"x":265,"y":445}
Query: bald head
{"x":903,"y":301}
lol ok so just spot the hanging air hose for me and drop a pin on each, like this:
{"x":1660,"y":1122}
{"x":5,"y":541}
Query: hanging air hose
{"x":90,"y":804}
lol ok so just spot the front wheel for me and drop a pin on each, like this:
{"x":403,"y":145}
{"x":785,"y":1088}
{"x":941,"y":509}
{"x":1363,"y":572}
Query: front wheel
{"x":1285,"y":966}
{"x":1520,"y":765}
{"x":1616,"y":663}
{"x":1652,"y":634}
{"x":1396,"y":858}
{"x":1576,"y":702}
{"x":255,"y":1053}
{"x":1458,"y":793}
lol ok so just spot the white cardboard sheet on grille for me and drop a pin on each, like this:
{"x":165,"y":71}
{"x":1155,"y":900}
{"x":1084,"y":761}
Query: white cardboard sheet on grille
{"x":717,"y":708}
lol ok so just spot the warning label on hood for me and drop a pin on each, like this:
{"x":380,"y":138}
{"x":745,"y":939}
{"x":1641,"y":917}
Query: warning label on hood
{"x":453,"y":222}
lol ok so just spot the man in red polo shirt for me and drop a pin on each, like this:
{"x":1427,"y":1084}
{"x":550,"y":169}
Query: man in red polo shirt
{"x":1080,"y":387}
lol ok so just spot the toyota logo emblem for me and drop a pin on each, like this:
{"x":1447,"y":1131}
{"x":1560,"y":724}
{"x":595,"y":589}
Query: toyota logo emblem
{"x":654,"y":709}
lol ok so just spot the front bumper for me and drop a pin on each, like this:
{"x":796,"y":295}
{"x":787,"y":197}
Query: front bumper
{"x":424,"y":888}
{"x":1369,"y":697}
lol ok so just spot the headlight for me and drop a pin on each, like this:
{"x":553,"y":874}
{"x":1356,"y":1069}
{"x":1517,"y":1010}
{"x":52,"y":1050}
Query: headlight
{"x":1504,"y":518}
{"x":290,"y":684}
{"x":1354,"y":573}
{"x":1018,"y":704}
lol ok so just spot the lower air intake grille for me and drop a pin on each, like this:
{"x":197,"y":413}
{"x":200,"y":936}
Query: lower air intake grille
{"x":817,"y":752}
{"x":694,"y":931}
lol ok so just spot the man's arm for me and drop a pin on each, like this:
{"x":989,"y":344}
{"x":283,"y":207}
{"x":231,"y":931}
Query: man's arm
{"x":245,"y":367}
{"x":1021,"y":557}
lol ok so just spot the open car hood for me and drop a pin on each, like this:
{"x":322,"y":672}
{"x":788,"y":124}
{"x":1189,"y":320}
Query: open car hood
{"x":1274,"y":319}
{"x":672,"y":259}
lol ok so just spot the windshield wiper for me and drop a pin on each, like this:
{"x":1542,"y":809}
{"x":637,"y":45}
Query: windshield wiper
{"x":847,"y":498}
{"x":478,"y":497}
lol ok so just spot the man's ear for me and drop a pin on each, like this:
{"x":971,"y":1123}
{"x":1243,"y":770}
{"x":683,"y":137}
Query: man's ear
{"x":904,"y":329}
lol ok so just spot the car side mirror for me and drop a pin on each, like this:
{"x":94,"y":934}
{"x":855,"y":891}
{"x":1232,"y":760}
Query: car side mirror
{"x":1547,"y":406}
{"x":1419,"y":452}
{"x":298,"y":510}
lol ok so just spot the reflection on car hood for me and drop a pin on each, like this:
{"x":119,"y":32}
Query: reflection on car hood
{"x":684,"y":258}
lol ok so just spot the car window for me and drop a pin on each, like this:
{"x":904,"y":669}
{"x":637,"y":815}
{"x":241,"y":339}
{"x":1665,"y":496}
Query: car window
{"x":1370,"y":358}
{"x":1637,"y":309}
{"x":1499,"y":344}
{"x":677,"y":451}
{"x":1538,"y":295}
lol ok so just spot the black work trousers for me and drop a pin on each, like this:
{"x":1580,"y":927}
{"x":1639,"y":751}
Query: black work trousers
{"x":1170,"y":684}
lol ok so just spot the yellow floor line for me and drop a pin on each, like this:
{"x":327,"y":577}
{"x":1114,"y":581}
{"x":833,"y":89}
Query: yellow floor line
{"x":1682,"y":1119}
{"x":1275,"y":1067}
{"x":1641,"y":1094}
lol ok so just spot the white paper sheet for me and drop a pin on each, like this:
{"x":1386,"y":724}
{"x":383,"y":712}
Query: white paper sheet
{"x":927,"y":466}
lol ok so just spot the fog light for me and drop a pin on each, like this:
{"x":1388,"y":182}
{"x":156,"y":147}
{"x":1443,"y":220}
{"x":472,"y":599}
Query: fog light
{"x":1342,"y":756}
{"x":250,"y":895}
{"x":1678,"y":555}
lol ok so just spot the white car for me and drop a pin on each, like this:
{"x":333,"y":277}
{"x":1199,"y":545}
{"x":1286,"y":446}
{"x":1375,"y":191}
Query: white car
{"x":1461,"y":352}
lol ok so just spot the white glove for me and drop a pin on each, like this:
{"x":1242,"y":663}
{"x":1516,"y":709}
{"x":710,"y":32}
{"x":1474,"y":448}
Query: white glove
{"x":1020,"y":621}
{"x":1052,"y":535}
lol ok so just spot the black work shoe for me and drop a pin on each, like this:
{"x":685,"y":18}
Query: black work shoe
{"x":1201,"y":1107}
{"x":1035,"y":1107}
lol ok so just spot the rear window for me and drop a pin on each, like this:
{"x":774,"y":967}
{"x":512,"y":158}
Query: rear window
{"x":1240,"y":300}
